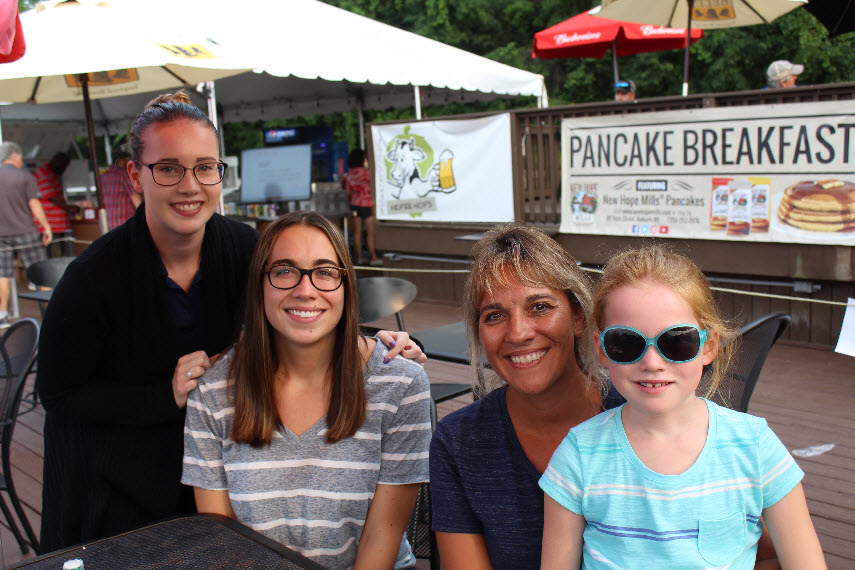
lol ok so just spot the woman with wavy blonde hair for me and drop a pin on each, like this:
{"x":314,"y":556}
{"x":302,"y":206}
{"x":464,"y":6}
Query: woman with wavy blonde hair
{"x":526,"y":306}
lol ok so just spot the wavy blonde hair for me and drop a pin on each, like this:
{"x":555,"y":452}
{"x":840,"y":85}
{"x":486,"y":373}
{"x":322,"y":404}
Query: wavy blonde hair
{"x":510,"y":254}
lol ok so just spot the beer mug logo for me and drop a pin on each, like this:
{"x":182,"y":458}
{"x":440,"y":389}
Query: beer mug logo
{"x":412,"y":171}
{"x":446,"y":175}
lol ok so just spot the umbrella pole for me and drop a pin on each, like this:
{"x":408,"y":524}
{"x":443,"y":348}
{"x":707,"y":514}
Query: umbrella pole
{"x":93,"y":158}
{"x":614,"y":59}
{"x":688,"y":43}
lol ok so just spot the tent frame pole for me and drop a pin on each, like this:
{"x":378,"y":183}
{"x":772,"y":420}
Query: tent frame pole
{"x":417,"y":95}
{"x":211,"y":97}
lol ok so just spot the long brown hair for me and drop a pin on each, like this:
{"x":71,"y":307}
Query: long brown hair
{"x":254,"y":362}
{"x":656,"y":264}
{"x":514,"y":252}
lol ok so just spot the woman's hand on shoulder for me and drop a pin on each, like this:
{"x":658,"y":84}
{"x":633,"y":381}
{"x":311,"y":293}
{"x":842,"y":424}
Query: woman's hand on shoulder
{"x":400,"y":343}
{"x":185,"y":378}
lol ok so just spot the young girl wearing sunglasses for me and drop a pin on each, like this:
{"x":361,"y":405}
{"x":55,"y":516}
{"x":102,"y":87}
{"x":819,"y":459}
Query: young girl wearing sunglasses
{"x":669,"y":478}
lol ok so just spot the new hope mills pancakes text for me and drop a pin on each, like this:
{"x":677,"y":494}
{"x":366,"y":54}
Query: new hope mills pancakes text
{"x":821,"y":206}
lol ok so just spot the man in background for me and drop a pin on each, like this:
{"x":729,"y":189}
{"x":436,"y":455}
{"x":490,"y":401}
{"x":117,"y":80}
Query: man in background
{"x":49,"y":178}
{"x":625,"y":90}
{"x":19,"y":204}
{"x":783,"y":74}
{"x":120,"y":198}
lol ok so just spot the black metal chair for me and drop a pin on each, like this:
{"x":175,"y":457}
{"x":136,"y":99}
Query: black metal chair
{"x":47,"y":273}
{"x":381,"y":297}
{"x":755,"y":340}
{"x":17,"y":354}
{"x":420,"y":534}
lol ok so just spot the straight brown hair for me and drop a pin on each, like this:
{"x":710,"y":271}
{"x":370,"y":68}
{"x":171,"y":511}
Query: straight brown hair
{"x":254,"y":362}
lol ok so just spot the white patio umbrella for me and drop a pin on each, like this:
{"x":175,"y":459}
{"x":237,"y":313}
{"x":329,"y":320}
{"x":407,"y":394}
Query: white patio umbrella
{"x":85,"y":51}
{"x":704,"y":14}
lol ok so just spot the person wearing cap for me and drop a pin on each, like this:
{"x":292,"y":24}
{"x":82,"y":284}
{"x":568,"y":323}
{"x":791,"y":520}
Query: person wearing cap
{"x":120,"y":198}
{"x":625,"y":90}
{"x":782,"y":74}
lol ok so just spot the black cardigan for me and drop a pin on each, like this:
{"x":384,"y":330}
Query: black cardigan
{"x":108,"y":349}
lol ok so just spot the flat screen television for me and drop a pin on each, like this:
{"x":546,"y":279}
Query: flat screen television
{"x":276,"y":174}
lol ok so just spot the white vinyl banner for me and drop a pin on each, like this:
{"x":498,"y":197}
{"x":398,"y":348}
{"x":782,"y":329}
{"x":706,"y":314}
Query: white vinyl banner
{"x":781,"y":173}
{"x":445,"y":171}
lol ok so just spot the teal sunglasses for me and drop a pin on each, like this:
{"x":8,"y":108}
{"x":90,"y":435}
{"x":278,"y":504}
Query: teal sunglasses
{"x":678,"y":343}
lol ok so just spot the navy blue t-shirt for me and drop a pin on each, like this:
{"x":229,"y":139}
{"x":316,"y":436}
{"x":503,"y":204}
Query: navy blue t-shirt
{"x":482,"y":483}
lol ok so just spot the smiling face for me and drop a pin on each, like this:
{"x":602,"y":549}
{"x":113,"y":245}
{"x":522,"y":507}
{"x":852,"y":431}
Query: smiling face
{"x":528,"y":335}
{"x":183,"y":209}
{"x":652,"y":385}
{"x":303,"y":316}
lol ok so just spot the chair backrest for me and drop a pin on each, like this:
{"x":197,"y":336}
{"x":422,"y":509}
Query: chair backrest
{"x":384,"y":296}
{"x":420,"y":533}
{"x":755,"y":340}
{"x":47,"y":273}
{"x":18,"y":347}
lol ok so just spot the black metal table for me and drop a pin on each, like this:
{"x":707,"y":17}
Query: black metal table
{"x":446,"y":343}
{"x":209,"y":542}
{"x":42,"y":297}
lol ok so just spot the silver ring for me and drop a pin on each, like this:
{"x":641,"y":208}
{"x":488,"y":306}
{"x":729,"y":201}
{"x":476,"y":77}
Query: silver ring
{"x":189,"y":375}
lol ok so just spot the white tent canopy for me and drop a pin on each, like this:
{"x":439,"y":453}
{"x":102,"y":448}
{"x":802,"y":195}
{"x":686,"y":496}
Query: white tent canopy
{"x":316,"y":59}
{"x":73,"y":39}
{"x":252,"y":97}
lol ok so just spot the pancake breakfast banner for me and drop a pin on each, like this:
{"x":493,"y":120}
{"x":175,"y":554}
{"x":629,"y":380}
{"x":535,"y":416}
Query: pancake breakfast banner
{"x":779,"y":173}
{"x":447,"y":171}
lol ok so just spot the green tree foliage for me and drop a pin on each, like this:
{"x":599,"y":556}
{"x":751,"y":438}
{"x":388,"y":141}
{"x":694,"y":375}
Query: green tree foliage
{"x":503,"y":30}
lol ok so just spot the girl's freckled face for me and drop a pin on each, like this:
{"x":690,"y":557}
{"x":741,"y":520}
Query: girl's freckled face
{"x":653,"y":384}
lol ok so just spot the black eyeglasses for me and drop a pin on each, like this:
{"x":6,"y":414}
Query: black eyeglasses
{"x":322,"y":278}
{"x":170,"y":174}
{"x":679,"y":343}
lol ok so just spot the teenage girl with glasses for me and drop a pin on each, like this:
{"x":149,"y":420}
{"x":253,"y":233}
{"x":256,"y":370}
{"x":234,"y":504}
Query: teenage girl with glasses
{"x":669,"y":478}
{"x":306,"y":431}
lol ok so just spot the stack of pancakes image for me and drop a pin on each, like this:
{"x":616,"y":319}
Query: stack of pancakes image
{"x":821,"y":206}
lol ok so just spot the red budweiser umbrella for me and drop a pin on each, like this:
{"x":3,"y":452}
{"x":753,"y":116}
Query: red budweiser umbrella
{"x":12,"y":44}
{"x":587,"y":36}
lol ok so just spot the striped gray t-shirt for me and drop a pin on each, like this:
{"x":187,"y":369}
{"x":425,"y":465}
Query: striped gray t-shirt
{"x":301,"y":491}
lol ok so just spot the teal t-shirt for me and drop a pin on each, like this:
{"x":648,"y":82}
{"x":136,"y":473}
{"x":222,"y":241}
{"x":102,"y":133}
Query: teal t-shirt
{"x":705,"y":517}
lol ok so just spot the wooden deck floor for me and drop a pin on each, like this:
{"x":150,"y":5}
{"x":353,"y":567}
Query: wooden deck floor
{"x":806,"y":394}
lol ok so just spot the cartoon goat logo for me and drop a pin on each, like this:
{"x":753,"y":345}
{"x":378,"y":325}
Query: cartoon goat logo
{"x":405,"y":157}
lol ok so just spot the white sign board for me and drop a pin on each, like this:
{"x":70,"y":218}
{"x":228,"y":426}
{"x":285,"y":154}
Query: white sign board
{"x":781,"y":173}
{"x":446,"y":171}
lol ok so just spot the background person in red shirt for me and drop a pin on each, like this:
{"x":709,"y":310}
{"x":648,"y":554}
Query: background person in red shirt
{"x":120,"y":198}
{"x":49,"y":178}
{"x":357,"y":182}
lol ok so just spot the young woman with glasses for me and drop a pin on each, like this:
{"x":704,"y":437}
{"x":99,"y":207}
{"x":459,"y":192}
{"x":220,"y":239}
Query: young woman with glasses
{"x":134,"y":322}
{"x":304,"y":431}
{"x":669,"y":478}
